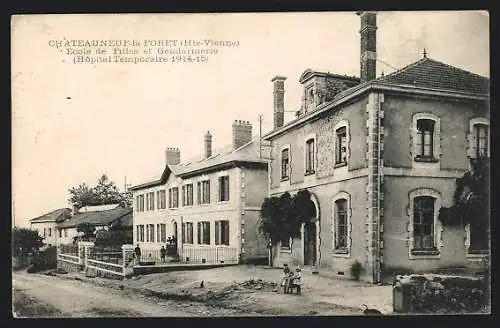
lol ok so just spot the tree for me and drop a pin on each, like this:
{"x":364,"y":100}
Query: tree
{"x":104,"y":192}
{"x":471,"y":201}
{"x":86,"y":228}
{"x":26,"y":241}
{"x":282,"y":216}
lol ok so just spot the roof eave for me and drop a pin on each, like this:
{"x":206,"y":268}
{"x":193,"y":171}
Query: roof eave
{"x":222,"y":166}
{"x":379,"y":87}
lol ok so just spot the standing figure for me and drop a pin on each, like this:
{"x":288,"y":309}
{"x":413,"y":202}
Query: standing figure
{"x":285,"y":278}
{"x":137,"y":252}
{"x":163,"y":253}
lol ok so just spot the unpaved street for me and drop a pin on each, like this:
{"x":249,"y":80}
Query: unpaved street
{"x":78,"y":299}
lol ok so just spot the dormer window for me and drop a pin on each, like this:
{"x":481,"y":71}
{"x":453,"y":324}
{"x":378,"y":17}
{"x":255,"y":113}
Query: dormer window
{"x":310,"y":95}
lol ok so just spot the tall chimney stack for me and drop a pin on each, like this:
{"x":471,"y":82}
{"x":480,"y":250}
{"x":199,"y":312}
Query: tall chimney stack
{"x":173,"y":156}
{"x":279,"y":100}
{"x":368,"y":33}
{"x":208,"y":144}
{"x":242,"y":133}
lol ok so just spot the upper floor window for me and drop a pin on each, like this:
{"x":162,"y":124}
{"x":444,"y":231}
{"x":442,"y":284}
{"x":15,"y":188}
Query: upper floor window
{"x":224,"y":188}
{"x":479,"y":141}
{"x":60,"y":233}
{"x":341,"y":145}
{"x":150,"y":201}
{"x":50,"y":232}
{"x":173,"y":197}
{"x":310,"y":156}
{"x":187,"y":195}
{"x":285,"y":164}
{"x":204,"y":192}
{"x":203,"y":233}
{"x":426,"y":145}
{"x":139,"y":203}
{"x":161,"y":199}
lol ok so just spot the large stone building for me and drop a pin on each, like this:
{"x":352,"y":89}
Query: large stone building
{"x":210,"y":204}
{"x":380,"y":157}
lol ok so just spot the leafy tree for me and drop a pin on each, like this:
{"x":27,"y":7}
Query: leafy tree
{"x":104,"y":192}
{"x":282,"y":216}
{"x":26,"y":241}
{"x":471,"y":201}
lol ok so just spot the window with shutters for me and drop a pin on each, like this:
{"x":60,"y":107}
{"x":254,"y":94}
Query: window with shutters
{"x":139,"y":203}
{"x":150,"y":233}
{"x":222,"y":232}
{"x":161,"y":199}
{"x":173,"y":197}
{"x":203,"y":233}
{"x":140,"y":232}
{"x":342,"y":224}
{"x":187,"y":195}
{"x":224,"y":188}
{"x":188,"y":232}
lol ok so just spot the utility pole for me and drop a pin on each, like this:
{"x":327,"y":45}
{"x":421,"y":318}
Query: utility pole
{"x":260,"y":135}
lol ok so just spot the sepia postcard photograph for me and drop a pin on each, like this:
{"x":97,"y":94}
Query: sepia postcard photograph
{"x":251,"y":164}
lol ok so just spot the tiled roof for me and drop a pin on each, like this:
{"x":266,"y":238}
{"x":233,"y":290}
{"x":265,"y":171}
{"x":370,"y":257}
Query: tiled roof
{"x":55,"y":216}
{"x":99,"y":217}
{"x":425,"y":73}
{"x":247,"y":153}
{"x":429,"y":73}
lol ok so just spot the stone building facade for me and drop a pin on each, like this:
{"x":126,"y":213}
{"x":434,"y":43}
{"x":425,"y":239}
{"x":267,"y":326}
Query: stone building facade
{"x":380,"y":157}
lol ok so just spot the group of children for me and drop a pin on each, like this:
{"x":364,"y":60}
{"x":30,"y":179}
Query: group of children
{"x":291,"y":280}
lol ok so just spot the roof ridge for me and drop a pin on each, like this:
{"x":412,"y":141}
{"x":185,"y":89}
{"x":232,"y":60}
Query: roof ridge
{"x":402,"y":69}
{"x":458,"y":68}
{"x":51,"y":212}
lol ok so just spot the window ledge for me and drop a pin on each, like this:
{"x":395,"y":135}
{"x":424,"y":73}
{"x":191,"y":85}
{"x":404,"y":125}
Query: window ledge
{"x":309,"y":172}
{"x":341,"y":252}
{"x":425,"y":253}
{"x":477,"y":253}
{"x":285,"y":250}
{"x":284,"y":179}
{"x":337,"y":165}
{"x":426,"y":159}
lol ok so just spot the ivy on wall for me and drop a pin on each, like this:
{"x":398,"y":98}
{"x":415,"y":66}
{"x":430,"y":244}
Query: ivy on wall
{"x":471,"y":201}
{"x":282,"y":216}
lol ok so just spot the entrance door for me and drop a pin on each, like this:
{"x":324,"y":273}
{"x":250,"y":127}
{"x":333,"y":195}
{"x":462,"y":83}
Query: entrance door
{"x":310,"y":243}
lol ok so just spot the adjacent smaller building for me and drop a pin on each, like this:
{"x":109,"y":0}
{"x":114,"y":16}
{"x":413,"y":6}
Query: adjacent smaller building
{"x":102,"y":217}
{"x":210,"y":204}
{"x":46,"y":224}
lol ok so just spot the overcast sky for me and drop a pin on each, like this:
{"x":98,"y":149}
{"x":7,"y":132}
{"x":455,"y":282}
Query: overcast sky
{"x":74,"y":122}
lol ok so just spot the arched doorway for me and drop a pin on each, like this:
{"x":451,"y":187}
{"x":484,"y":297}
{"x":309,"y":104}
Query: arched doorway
{"x":310,"y":237}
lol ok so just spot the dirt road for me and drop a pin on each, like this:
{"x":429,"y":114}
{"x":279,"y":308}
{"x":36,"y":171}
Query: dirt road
{"x":67,"y":298}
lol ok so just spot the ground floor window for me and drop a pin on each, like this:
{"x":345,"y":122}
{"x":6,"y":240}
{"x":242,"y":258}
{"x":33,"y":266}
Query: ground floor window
{"x":203,"y":233}
{"x":161,"y":233}
{"x":222,"y":232}
{"x":187,"y":232}
{"x":140,"y":232}
{"x":423,"y":223}
{"x":150,"y":233}
{"x":478,"y":239}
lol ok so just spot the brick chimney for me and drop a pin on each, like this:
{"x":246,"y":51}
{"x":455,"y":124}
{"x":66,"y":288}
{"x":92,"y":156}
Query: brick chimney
{"x":368,"y":33}
{"x":242,"y":133}
{"x":279,"y":100}
{"x":173,"y":156}
{"x":208,"y":144}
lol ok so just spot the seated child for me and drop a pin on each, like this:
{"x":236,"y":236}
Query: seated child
{"x":296,"y":281}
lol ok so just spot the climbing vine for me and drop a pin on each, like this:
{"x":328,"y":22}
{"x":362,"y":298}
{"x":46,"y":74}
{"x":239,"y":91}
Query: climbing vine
{"x":471,"y":199}
{"x":282,"y":216}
